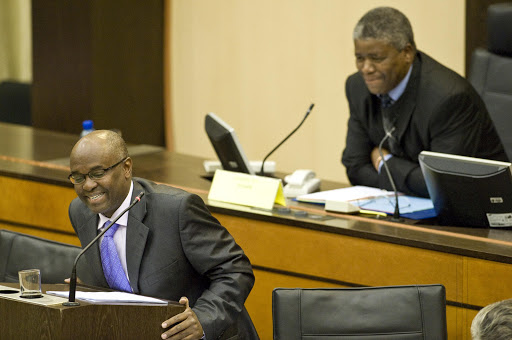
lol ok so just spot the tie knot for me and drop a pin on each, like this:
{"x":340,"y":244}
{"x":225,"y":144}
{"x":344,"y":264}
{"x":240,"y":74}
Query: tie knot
{"x":112,"y":230}
{"x":385,"y":100}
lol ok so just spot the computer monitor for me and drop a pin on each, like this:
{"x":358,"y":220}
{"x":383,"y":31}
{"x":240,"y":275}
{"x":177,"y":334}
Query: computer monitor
{"x":468,"y":191}
{"x":226,"y":145}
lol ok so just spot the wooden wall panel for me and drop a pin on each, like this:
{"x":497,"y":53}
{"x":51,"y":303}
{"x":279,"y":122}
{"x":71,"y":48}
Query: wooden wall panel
{"x":99,"y":60}
{"x":36,"y":204}
{"x":488,"y":281}
{"x":343,"y":258}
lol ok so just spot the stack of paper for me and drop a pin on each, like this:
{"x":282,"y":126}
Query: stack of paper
{"x":110,"y":297}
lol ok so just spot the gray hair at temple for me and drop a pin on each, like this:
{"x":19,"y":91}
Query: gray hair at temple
{"x":493,"y":322}
{"x":386,"y":24}
{"x":116,"y":143}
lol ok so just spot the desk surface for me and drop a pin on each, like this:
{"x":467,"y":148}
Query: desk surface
{"x":40,"y":155}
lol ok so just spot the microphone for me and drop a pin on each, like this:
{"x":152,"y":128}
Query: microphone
{"x":396,"y":213}
{"x":284,"y":140}
{"x":72,"y":281}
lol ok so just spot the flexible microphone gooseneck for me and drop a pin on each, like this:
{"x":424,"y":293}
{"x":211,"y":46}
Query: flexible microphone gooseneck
{"x":72,"y":281}
{"x":396,"y":213}
{"x":284,"y":140}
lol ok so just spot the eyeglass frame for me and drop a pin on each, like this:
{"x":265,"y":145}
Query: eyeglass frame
{"x":70,"y":176}
{"x":390,"y":199}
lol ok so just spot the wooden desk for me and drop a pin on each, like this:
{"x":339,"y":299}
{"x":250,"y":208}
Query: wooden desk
{"x":319,"y":250}
{"x":47,"y":318}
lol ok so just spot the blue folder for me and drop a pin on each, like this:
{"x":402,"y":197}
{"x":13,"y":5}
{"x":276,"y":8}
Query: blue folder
{"x":416,"y":208}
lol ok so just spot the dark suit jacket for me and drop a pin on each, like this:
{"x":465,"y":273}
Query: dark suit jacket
{"x":438,"y":111}
{"x":175,"y":248}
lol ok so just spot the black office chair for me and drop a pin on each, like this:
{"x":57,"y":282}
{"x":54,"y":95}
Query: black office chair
{"x":15,"y":102}
{"x":376,"y":313}
{"x":491,"y":71}
{"x":55,"y":260}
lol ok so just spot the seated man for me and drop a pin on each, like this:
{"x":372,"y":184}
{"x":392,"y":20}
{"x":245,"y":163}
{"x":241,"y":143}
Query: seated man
{"x":416,"y":103}
{"x":493,"y":322}
{"x":167,"y":246}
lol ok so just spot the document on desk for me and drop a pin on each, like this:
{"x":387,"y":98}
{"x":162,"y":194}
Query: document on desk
{"x":356,"y":192}
{"x":374,"y":199}
{"x":110,"y":297}
{"x":406,"y":204}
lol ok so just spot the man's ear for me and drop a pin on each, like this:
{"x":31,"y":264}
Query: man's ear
{"x":127,"y":167}
{"x":409,"y":53}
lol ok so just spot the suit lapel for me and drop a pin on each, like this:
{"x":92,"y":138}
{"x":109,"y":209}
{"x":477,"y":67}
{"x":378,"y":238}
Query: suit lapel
{"x":136,"y":236}
{"x":407,"y":102}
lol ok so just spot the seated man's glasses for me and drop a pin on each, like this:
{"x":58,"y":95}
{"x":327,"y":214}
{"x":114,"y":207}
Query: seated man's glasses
{"x":78,"y":178}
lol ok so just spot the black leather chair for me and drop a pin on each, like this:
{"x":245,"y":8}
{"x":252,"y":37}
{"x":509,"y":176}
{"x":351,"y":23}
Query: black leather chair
{"x":16,"y":102}
{"x":491,"y":71}
{"x":370,"y":313}
{"x":55,"y":260}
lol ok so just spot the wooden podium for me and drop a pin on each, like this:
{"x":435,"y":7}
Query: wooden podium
{"x":30,"y":319}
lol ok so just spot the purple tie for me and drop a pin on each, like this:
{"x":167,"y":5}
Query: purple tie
{"x":112,"y":268}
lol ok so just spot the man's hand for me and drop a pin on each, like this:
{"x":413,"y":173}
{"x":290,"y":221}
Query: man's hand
{"x":185,"y":325}
{"x":375,"y":156}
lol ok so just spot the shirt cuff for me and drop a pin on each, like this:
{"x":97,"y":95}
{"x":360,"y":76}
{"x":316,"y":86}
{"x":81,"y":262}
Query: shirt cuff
{"x":386,"y":157}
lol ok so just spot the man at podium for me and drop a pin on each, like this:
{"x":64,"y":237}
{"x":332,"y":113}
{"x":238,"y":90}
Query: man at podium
{"x":167,"y":246}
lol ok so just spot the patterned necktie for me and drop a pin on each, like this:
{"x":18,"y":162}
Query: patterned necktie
{"x":385,"y":100}
{"x":112,"y":268}
{"x":387,"y":115}
{"x":388,"y":121}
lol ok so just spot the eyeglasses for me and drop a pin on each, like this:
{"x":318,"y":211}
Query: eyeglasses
{"x":78,"y":178}
{"x":384,"y":200}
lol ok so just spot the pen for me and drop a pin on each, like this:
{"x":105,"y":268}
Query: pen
{"x":371,"y":212}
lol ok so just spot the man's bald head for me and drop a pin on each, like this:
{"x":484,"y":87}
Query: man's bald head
{"x":110,"y":141}
{"x":103,"y":168}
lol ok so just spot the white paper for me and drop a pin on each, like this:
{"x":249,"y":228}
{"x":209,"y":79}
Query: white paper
{"x":344,"y":194}
{"x":111,"y":297}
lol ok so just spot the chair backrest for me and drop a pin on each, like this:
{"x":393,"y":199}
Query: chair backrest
{"x":16,"y":102}
{"x":369,"y":313}
{"x":491,"y":71}
{"x":55,"y":260}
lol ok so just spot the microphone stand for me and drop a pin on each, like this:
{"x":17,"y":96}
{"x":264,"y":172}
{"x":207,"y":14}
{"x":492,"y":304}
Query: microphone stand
{"x":284,"y":140}
{"x":396,"y":213}
{"x":72,"y":280}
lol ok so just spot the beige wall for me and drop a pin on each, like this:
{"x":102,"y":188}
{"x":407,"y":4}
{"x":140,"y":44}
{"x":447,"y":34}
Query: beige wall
{"x":258,"y":64}
{"x":15,"y":40}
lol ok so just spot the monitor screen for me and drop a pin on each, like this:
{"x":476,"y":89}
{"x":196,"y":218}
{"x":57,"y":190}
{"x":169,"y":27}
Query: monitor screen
{"x":468,"y":191}
{"x":226,"y":145}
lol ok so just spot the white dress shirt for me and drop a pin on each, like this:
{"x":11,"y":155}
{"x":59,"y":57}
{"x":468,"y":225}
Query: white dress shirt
{"x":120,"y":235}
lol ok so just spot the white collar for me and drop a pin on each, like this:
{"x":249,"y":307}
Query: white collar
{"x":124,"y":219}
